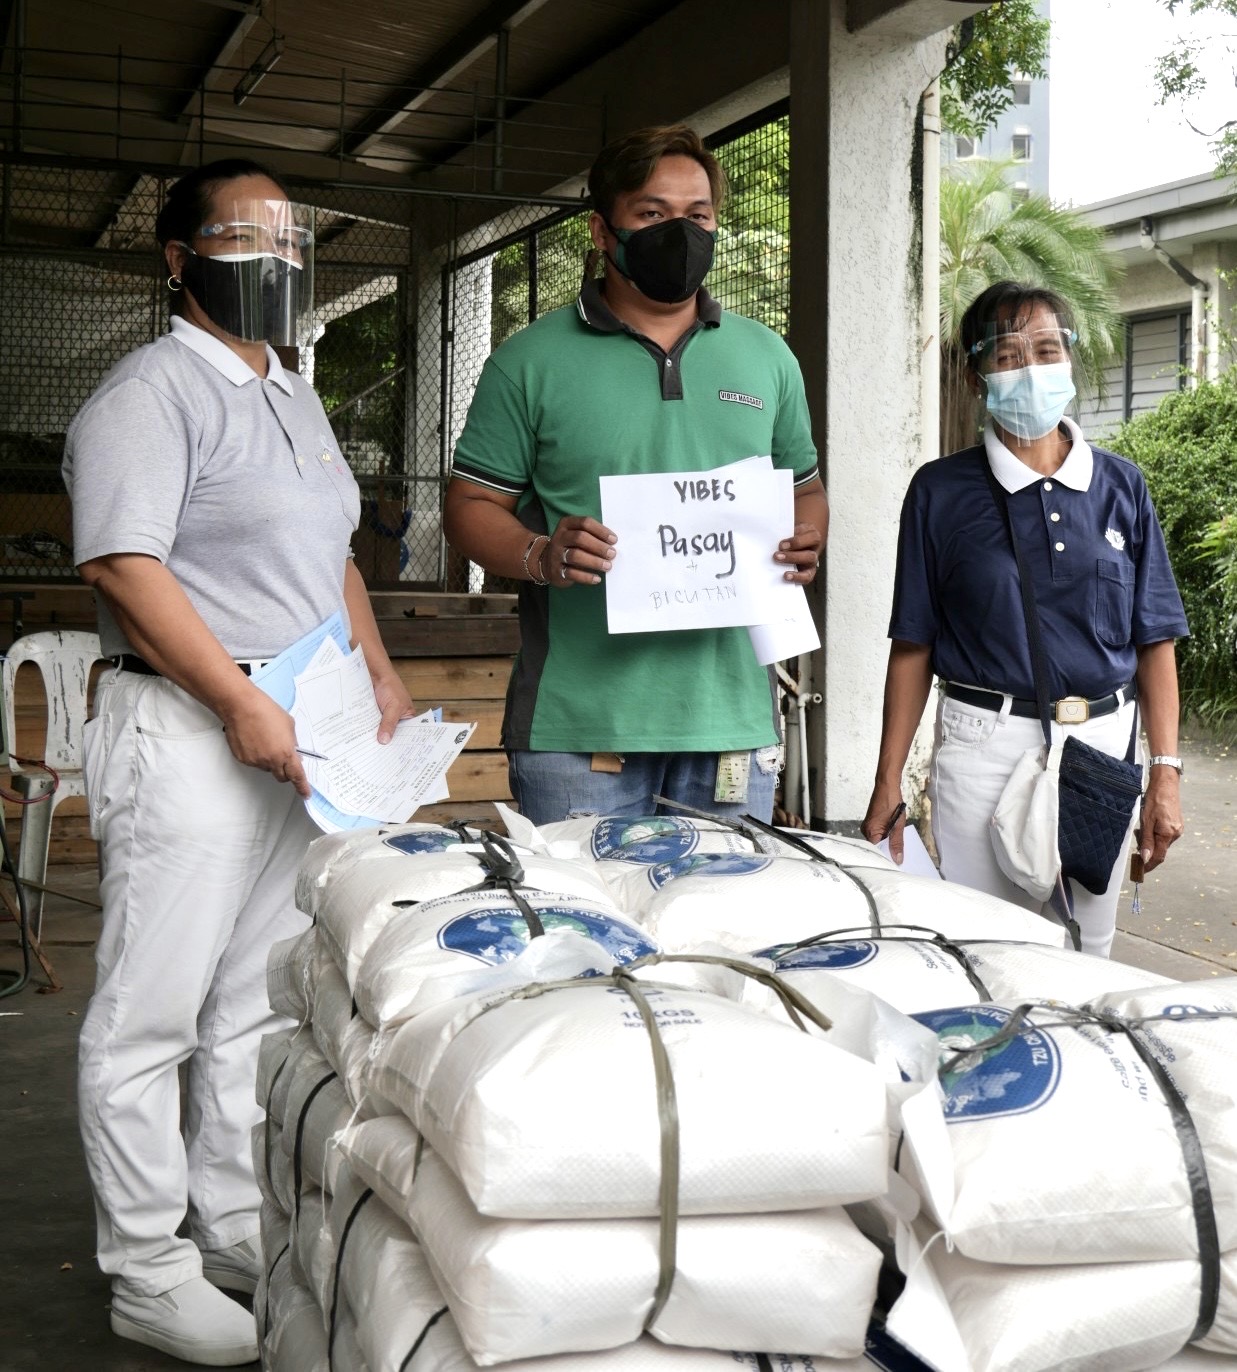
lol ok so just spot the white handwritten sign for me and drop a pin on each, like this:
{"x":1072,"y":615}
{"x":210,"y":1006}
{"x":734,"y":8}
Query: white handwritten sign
{"x":695,"y":549}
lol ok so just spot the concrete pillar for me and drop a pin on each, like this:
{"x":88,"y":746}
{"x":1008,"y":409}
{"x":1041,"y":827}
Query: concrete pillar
{"x":858,"y":331}
{"x":1216,"y":264}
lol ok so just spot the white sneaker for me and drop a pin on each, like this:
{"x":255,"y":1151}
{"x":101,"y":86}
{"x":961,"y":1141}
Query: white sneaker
{"x":192,"y":1321}
{"x":236,"y":1268}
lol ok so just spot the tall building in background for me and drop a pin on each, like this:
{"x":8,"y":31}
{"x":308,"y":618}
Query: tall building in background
{"x":1021,"y":133}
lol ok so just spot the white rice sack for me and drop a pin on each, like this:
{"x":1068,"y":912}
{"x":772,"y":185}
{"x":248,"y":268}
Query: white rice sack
{"x":333,"y":856}
{"x":743,"y":901}
{"x":546,"y":1106}
{"x":910,"y":974}
{"x":387,"y":1282}
{"x":1114,"y":1317}
{"x":383,"y":1276}
{"x":294,"y":1339}
{"x":647,"y":838}
{"x":276,"y":1289}
{"x":272,"y":1055}
{"x":381,"y":1153}
{"x":278,"y":1060}
{"x":379,"y":873}
{"x":318,"y":1108}
{"x":288,"y":972}
{"x":300,"y":1343}
{"x":920,"y":974}
{"x":1016,"y":972}
{"x":1192,"y":1359}
{"x":313,"y":1247}
{"x":445,"y":948}
{"x":956,"y":911}
{"x":273,"y":1239}
{"x":342,"y":1036}
{"x":272,"y":1167}
{"x":1059,"y":1145}
{"x":842,"y":849}
{"x":521,"y":1289}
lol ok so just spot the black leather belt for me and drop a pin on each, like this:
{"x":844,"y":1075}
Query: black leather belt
{"x":130,"y":662}
{"x":1069,"y":710}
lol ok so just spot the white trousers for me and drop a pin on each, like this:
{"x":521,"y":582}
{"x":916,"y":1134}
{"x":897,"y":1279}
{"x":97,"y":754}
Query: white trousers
{"x":198,"y":859}
{"x":974,"y":754}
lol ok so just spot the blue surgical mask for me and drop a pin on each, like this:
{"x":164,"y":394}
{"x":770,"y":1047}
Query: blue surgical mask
{"x":1028,"y":402}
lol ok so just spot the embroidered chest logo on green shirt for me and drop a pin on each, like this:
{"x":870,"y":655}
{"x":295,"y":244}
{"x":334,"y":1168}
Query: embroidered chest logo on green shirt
{"x":740,"y":399}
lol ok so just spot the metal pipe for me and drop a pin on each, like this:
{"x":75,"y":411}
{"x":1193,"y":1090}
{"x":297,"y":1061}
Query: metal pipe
{"x":930,"y":360}
{"x":500,"y":102}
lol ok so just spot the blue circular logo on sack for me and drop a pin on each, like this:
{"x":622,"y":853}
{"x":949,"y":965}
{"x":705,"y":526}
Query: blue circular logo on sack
{"x":426,"y":841}
{"x":647,"y":839}
{"x":496,"y":934}
{"x":710,"y":864}
{"x":821,"y":957}
{"x":1014,"y":1078}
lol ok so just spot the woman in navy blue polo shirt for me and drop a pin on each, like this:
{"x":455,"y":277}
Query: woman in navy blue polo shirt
{"x":1108,"y":607}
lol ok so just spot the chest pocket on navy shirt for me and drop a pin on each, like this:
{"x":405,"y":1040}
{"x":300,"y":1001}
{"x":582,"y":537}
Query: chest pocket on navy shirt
{"x":1114,"y":601}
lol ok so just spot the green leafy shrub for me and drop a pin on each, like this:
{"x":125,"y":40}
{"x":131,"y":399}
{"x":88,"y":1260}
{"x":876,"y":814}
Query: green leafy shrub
{"x":1187,"y":449}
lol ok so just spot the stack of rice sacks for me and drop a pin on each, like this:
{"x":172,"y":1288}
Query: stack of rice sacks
{"x":1060,"y":1171}
{"x":479,"y":1178}
{"x":454,"y":1167}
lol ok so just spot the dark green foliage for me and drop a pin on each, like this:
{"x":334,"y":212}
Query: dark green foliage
{"x":1187,"y":449}
{"x":356,"y":351}
{"x":986,"y":54}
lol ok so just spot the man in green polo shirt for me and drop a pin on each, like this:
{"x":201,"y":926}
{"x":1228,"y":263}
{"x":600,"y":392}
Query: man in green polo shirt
{"x":645,"y":373}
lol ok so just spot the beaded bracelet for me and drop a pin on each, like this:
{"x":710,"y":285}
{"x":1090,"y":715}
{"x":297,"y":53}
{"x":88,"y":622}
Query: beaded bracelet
{"x":534,"y":576}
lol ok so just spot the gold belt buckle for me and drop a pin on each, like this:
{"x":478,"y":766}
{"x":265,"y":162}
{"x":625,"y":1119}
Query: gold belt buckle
{"x":1073,"y":710}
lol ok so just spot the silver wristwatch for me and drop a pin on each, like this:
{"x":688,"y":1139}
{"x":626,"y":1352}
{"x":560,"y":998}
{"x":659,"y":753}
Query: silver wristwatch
{"x":1166,"y":760}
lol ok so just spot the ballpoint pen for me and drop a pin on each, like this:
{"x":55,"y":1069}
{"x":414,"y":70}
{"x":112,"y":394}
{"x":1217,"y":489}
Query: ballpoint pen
{"x":305,"y":752}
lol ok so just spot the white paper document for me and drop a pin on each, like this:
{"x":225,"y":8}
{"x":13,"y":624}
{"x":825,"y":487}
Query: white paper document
{"x":695,"y":551}
{"x":789,"y":630}
{"x":278,"y":677}
{"x":357,"y":777}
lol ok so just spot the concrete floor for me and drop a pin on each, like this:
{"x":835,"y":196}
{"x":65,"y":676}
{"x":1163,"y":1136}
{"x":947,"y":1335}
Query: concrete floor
{"x":53,"y":1312}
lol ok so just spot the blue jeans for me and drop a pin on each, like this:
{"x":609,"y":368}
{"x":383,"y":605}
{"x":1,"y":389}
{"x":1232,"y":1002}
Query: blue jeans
{"x":553,"y":786}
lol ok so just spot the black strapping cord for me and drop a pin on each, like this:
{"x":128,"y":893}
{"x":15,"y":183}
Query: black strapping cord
{"x":505,"y":873}
{"x":297,"y":1169}
{"x":339,"y":1262}
{"x":270,"y":1272}
{"x":421,"y":1337}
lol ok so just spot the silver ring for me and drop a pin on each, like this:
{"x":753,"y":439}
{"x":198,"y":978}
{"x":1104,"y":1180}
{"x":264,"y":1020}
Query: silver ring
{"x":562,"y":571}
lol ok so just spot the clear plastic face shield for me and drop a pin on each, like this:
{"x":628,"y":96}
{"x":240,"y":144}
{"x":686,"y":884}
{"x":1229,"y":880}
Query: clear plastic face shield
{"x":250,"y":268}
{"x":1026,"y":370}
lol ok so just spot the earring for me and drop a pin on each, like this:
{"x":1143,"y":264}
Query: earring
{"x":174,"y":283}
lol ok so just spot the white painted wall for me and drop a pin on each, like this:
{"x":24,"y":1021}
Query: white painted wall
{"x":873,"y":436}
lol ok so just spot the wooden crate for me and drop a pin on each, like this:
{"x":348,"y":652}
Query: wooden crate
{"x":454,"y":651}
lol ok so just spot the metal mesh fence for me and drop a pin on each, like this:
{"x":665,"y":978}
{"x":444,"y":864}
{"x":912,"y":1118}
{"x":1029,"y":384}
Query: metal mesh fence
{"x":412,"y":293}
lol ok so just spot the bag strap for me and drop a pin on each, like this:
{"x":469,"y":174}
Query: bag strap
{"x":1030,"y":610}
{"x":1030,"y":613}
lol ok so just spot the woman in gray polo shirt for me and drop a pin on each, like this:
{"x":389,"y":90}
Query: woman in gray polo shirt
{"x":212,"y":514}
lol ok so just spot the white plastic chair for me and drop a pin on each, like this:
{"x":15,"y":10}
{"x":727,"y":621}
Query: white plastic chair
{"x":64,"y":657}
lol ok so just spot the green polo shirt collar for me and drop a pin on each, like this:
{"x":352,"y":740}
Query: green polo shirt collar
{"x":594,"y":311}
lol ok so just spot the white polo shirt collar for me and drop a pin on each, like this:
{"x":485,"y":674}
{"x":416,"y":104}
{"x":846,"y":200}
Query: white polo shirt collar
{"x":1014,"y":474}
{"x":224,"y":360}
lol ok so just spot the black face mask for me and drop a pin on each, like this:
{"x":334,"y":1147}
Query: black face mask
{"x":666,"y":261}
{"x":256,"y":299}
